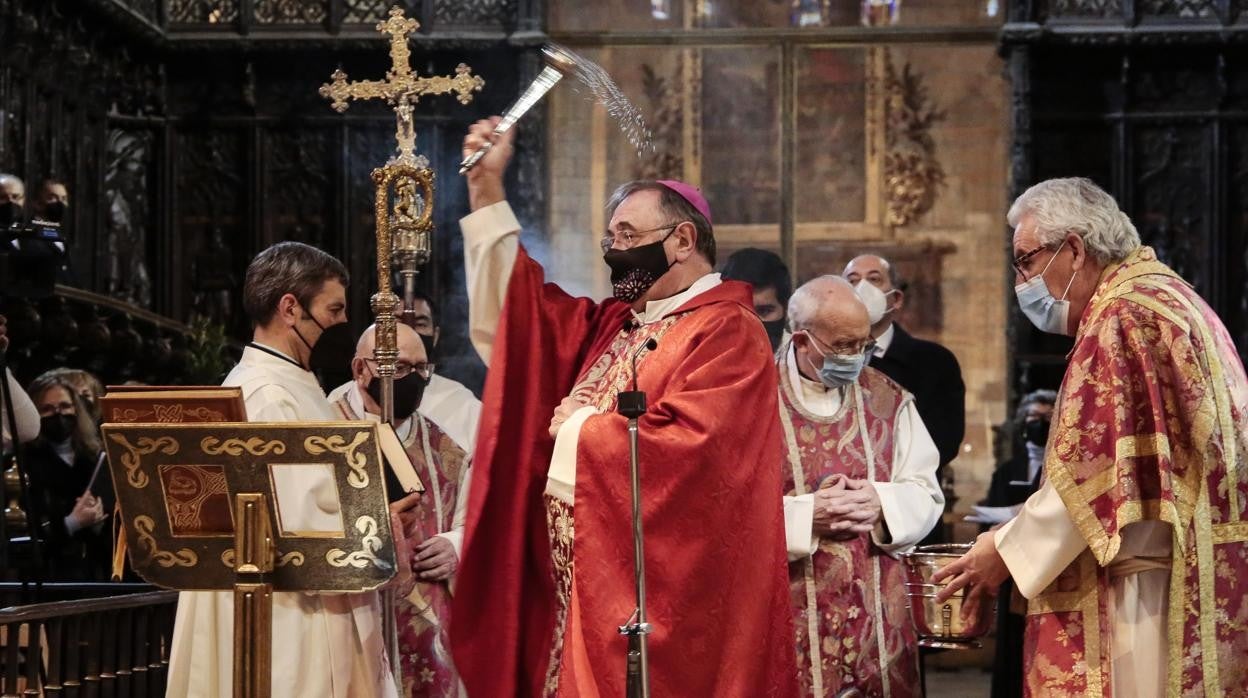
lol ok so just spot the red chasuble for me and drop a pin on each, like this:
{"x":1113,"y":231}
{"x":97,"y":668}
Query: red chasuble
{"x":714,"y":529}
{"x":849,"y":598}
{"x":1151,"y":425}
{"x":424,"y":615}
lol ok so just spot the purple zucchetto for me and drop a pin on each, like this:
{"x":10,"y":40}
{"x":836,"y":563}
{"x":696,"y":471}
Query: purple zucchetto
{"x":692,"y":194}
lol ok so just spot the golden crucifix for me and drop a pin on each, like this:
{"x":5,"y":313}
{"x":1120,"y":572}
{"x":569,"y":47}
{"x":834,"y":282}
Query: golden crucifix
{"x":410,"y":220}
{"x":401,"y":88}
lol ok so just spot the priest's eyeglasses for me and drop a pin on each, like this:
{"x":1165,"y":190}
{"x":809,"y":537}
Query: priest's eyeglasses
{"x":625,"y":239}
{"x":403,"y":369}
{"x":844,"y":348}
{"x":1020,"y":262}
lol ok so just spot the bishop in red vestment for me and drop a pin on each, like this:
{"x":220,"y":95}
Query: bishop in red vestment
{"x":547,"y":573}
{"x":1134,"y":553}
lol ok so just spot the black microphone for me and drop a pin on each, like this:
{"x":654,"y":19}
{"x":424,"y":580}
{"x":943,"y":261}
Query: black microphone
{"x":632,"y":403}
{"x":650,"y":344}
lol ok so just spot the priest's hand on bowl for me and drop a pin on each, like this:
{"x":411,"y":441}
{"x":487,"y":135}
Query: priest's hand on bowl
{"x":980,"y":572}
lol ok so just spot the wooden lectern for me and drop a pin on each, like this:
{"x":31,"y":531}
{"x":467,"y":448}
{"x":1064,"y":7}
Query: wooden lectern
{"x":249,"y":507}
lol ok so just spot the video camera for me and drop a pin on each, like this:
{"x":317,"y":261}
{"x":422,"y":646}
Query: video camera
{"x":32,"y":253}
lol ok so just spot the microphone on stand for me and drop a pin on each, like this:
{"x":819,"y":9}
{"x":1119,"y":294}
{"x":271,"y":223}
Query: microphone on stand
{"x":632,"y":404}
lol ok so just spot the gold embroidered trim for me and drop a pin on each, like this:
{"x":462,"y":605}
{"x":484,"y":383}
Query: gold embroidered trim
{"x":808,"y":567}
{"x":1208,"y":605}
{"x":868,"y":450}
{"x":1233,"y":532}
{"x":1089,"y":576}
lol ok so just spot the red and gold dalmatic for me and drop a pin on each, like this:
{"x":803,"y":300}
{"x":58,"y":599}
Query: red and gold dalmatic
{"x":852,"y":623}
{"x":423,"y":615}
{"x":1152,"y":425}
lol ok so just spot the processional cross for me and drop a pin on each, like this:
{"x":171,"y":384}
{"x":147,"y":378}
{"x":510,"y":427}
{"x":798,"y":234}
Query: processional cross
{"x":401,"y":88}
{"x":404,"y":229}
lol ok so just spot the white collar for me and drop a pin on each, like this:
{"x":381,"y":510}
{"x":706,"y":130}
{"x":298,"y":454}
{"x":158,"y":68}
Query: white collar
{"x":657,"y":310}
{"x":885,"y":340}
{"x":814,"y":396}
{"x":355,"y":400}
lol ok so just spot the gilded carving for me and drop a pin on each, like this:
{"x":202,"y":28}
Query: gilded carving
{"x":130,"y":459}
{"x":143,"y":526}
{"x":912,"y":173}
{"x":317,"y":445}
{"x":294,"y":557}
{"x":367,"y":554}
{"x":256,"y":446}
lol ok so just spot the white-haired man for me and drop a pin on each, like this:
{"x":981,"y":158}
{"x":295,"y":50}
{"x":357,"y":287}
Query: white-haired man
{"x":860,"y":487}
{"x":1134,"y":552}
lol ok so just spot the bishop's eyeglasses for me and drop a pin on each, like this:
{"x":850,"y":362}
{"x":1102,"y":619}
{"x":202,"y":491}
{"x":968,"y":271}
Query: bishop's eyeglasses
{"x":626,"y":239}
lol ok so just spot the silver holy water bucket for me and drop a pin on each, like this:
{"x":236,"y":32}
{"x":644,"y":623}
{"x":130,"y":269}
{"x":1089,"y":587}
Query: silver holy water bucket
{"x":940,"y":625}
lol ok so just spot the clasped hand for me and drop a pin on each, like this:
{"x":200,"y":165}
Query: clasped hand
{"x":562,"y":413}
{"x":846,"y":508}
{"x":88,"y":510}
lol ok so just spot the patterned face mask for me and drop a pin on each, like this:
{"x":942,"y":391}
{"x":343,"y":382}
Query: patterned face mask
{"x":634,"y":271}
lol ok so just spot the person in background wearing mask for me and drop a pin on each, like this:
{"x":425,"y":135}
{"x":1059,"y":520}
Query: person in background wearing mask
{"x":546,"y":579}
{"x":70,"y":507}
{"x":860,"y":488}
{"x":926,"y":369}
{"x":323,"y":644}
{"x":436,"y":524}
{"x":769,"y":276}
{"x":12,"y":200}
{"x":1133,"y":554}
{"x":88,"y":387}
{"x":52,"y":203}
{"x":1012,"y":483}
{"x":1016,"y":479}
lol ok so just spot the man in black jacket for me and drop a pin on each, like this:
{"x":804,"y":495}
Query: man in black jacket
{"x":926,"y":369}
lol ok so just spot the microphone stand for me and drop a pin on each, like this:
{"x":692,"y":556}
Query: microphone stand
{"x":632,"y":404}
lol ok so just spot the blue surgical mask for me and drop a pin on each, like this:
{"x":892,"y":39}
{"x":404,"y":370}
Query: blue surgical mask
{"x":839,"y":370}
{"x":1047,"y":313}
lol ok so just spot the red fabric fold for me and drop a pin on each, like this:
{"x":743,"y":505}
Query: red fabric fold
{"x":504,"y":594}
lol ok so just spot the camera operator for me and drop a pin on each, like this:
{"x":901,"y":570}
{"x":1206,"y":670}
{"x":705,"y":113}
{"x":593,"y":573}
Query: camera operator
{"x":32,"y":252}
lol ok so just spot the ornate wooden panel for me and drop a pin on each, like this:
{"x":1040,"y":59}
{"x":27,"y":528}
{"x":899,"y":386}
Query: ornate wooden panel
{"x":1154,"y":108}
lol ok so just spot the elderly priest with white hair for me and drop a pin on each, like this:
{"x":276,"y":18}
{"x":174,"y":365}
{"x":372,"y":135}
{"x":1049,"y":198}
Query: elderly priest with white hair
{"x":860,"y":488}
{"x":1134,"y":552}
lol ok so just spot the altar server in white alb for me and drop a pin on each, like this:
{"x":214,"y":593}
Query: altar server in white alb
{"x":324,"y":645}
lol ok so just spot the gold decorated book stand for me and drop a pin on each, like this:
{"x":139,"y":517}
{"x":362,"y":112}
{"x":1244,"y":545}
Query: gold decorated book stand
{"x":254,"y":508}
